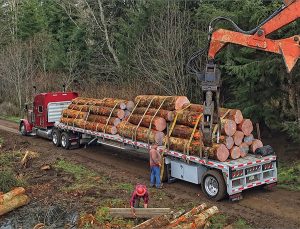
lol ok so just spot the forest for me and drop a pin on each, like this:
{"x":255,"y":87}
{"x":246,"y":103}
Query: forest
{"x":122,"y":48}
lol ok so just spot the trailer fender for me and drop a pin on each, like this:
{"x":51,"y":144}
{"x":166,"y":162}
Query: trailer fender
{"x":26,"y":124}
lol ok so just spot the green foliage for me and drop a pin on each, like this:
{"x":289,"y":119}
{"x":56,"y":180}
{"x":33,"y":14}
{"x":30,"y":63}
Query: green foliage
{"x":293,"y":130}
{"x":8,"y":180}
{"x":218,"y":221}
{"x":289,"y":176}
{"x":126,"y":186}
{"x":10,"y":118}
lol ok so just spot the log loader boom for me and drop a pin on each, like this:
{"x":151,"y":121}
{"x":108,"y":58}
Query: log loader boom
{"x":256,"y":38}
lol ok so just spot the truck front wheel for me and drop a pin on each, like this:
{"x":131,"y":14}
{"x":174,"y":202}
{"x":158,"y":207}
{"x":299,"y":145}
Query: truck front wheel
{"x":65,"y":140}
{"x":213,"y":185}
{"x":56,"y":138}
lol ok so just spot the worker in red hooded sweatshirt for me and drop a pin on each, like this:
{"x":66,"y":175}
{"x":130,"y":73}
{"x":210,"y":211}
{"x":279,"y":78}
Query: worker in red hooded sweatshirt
{"x":140,"y":192}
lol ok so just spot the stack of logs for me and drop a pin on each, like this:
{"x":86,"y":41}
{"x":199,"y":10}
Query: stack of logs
{"x":235,"y":139}
{"x":198,"y":217}
{"x":12,"y":200}
{"x":101,"y":115}
{"x":148,"y":121}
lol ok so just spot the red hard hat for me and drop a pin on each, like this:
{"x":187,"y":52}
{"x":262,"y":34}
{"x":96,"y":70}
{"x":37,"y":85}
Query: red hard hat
{"x":140,"y":190}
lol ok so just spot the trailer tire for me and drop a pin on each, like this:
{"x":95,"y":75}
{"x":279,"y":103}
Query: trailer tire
{"x":22,"y":129}
{"x":65,"y":140}
{"x":56,"y":137}
{"x":213,"y":185}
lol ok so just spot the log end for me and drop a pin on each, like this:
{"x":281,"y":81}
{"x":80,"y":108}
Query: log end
{"x":255,"y":145}
{"x":159,"y":137}
{"x":246,"y":126}
{"x":160,"y":124}
{"x":235,"y":152}
{"x":222,"y":153}
{"x":121,"y":114}
{"x":238,"y":117}
{"x":129,"y":105}
{"x":229,"y":142}
{"x":249,"y":139}
{"x":229,"y":127}
{"x":238,"y":137}
{"x":181,"y":101}
{"x":244,"y":149}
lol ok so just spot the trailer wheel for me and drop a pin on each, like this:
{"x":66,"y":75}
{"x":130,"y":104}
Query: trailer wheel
{"x":65,"y":140}
{"x":56,"y":137}
{"x":22,"y":129}
{"x":213,"y":185}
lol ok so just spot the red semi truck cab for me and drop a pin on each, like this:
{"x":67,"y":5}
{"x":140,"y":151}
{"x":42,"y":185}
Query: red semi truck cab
{"x":45,"y":111}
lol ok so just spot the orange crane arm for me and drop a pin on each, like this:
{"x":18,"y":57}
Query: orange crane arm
{"x":289,"y":48}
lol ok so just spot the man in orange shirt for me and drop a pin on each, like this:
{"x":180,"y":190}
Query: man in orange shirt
{"x":155,"y":164}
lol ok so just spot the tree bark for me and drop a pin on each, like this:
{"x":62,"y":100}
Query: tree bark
{"x":181,"y":144}
{"x":255,"y":145}
{"x":235,"y":152}
{"x":194,"y":107}
{"x":181,"y":131}
{"x":188,"y":118}
{"x":68,"y":113}
{"x":171,"y":102}
{"x":246,"y":126}
{"x":167,"y":115}
{"x":103,"y":119}
{"x":105,"y":111}
{"x":238,"y":138}
{"x":127,"y":130}
{"x":218,"y":152}
{"x":158,"y":123}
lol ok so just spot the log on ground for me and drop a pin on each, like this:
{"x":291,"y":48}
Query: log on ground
{"x":140,"y":212}
{"x":167,"y":115}
{"x":246,"y":126}
{"x":127,"y":130}
{"x":170,"y":102}
{"x":9,"y":195}
{"x":158,"y":123}
{"x":15,"y":202}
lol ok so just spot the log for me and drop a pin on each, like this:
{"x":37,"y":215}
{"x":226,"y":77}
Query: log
{"x":127,"y":130}
{"x":140,"y":212}
{"x":14,"y":203}
{"x":94,"y":126}
{"x":181,"y":131}
{"x":68,"y":113}
{"x":171,"y":102}
{"x":228,"y":127}
{"x":255,"y":145}
{"x":201,"y":218}
{"x":193,"y":107}
{"x":187,"y":118}
{"x":167,"y":115}
{"x":85,"y":101}
{"x":105,"y":111}
{"x":235,"y":152}
{"x":235,"y":115}
{"x":244,"y":149}
{"x":218,"y":152}
{"x":248,"y":139}
{"x":110,"y":102}
{"x":181,"y":144}
{"x":238,"y":137}
{"x":158,"y":123}
{"x":186,"y":216}
{"x":9,"y":195}
{"x":113,"y":121}
{"x":155,"y":222}
{"x":246,"y":126}
{"x":227,"y":141}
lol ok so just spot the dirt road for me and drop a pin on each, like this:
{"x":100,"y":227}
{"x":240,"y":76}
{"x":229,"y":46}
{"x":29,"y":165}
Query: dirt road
{"x":278,"y":208}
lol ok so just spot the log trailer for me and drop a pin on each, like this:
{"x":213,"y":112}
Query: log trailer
{"x":217,"y":179}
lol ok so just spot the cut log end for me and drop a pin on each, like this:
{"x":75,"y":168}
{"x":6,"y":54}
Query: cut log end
{"x":130,"y":105}
{"x":227,"y":141}
{"x":244,"y":149}
{"x":229,"y":127}
{"x":235,"y":152}
{"x":222,"y":153}
{"x":159,"y":136}
{"x":248,"y":139}
{"x":246,"y":126}
{"x":181,"y":102}
{"x":238,"y":117}
{"x":255,"y":145}
{"x":238,"y":137}
{"x":121,"y":114}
